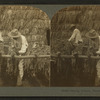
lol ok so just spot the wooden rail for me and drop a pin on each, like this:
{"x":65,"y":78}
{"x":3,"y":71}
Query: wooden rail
{"x":26,"y":57}
{"x":45,"y":56}
{"x":79,"y":56}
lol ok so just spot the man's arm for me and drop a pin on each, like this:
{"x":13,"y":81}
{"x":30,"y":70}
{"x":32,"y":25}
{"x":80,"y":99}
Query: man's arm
{"x":73,"y":35}
{"x":97,"y":44}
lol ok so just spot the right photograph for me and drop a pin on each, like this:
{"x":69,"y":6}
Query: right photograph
{"x":75,"y":47}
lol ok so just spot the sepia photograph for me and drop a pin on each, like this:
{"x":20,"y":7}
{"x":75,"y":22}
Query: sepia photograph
{"x":24,"y":47}
{"x":60,"y":49}
{"x":75,"y":47}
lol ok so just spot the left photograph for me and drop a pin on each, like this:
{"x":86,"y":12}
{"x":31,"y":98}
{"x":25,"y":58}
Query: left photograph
{"x":24,"y":47}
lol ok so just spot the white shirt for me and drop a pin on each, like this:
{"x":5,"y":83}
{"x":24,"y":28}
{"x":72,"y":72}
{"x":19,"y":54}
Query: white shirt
{"x":98,"y":52}
{"x":1,"y":38}
{"x":76,"y":35}
{"x":24,"y":44}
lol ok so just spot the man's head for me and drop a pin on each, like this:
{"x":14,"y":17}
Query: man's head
{"x":14,"y":33}
{"x":92,"y":34}
{"x":72,"y":27}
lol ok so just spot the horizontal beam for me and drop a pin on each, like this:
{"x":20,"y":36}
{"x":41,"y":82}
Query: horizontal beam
{"x":32,"y":56}
{"x":6,"y":56}
{"x":48,"y":56}
{"x":79,"y":56}
{"x":26,"y":57}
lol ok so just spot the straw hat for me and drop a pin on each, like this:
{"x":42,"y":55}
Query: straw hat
{"x":14,"y":33}
{"x":92,"y":34}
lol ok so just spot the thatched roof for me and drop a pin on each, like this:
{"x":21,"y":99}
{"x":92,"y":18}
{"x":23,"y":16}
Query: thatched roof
{"x":84,"y":17}
{"x":79,"y":15}
{"x":30,"y":21}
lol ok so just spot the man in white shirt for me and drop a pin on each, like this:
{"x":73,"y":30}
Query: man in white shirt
{"x":1,"y":52}
{"x":19,"y":47}
{"x":76,"y":39}
{"x":76,"y":35}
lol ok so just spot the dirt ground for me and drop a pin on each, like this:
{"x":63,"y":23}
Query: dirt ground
{"x":26,"y":83}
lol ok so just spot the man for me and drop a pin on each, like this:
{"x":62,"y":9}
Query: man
{"x":97,"y":79}
{"x":92,"y":41}
{"x":1,"y":43}
{"x":76,"y":39}
{"x":1,"y":52}
{"x":19,"y":47}
{"x":76,"y":43}
{"x":76,"y":36}
{"x":93,"y":48}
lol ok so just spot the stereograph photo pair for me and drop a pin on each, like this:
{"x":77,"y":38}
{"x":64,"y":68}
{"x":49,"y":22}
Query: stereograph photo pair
{"x":36,"y":51}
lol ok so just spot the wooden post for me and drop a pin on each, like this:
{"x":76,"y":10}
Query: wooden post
{"x":52,"y":73}
{"x":0,"y":63}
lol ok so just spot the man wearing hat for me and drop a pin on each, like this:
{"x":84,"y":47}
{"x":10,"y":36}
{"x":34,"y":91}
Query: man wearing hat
{"x":1,"y":52}
{"x":93,"y":41}
{"x":19,"y":47}
{"x":97,"y":79}
{"x":1,"y":42}
{"x":76,"y":35}
{"x":94,"y":49}
{"x":76,"y":39}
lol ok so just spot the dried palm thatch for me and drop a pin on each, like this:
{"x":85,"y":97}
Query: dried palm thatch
{"x":32,"y":23}
{"x":84,"y":17}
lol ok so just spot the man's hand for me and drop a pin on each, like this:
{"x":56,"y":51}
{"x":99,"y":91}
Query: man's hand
{"x":21,"y":52}
{"x":13,"y":53}
{"x":69,"y":40}
{"x":98,"y":52}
